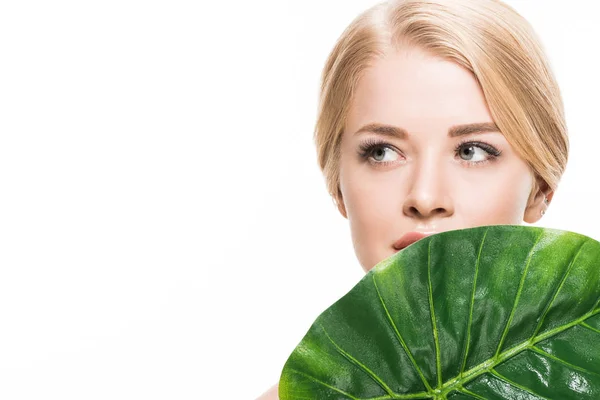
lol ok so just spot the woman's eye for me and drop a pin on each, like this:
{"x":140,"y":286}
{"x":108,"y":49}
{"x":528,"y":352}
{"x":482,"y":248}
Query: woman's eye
{"x":379,"y":153}
{"x":383,"y":154}
{"x":473,"y":153}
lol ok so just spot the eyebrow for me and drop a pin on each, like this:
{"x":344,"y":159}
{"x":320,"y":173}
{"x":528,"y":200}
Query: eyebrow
{"x":454,"y":131}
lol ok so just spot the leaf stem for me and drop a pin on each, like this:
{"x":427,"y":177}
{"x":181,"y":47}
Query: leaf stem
{"x":488,"y":365}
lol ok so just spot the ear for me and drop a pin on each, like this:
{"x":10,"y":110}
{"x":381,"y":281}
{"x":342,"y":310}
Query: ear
{"x":339,"y":200}
{"x":539,"y":200}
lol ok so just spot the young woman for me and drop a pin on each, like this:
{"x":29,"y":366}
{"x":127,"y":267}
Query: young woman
{"x":437,"y":115}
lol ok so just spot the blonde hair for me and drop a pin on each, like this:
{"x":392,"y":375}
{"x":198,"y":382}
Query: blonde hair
{"x":488,"y":38}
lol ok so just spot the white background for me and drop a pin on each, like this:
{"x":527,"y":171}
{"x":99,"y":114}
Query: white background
{"x":165,"y":232}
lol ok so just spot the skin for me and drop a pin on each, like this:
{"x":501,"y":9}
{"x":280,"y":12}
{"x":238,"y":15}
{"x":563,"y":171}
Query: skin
{"x":422,"y":182}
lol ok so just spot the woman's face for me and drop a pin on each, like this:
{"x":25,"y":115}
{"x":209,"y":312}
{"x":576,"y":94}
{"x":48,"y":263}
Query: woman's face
{"x":420,"y":152}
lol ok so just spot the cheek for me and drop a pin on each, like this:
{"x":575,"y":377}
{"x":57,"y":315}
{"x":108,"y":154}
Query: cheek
{"x":372,"y":206}
{"x":500,"y":198}
{"x":368,"y":213}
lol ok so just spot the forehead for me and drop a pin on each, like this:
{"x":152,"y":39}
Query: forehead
{"x":416,"y":90}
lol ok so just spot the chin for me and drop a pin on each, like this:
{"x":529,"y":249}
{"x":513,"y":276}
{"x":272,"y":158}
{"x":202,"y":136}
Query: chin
{"x":367,"y":269}
{"x":372,"y":264}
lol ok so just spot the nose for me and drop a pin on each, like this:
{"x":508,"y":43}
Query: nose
{"x":428,"y":197}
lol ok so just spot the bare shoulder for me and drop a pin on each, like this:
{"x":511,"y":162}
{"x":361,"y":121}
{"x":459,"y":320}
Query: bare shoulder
{"x":270,"y":394}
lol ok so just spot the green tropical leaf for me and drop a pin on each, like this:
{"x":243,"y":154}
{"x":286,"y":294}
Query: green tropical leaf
{"x":494,"y":312}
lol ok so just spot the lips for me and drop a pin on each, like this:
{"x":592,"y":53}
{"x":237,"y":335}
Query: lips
{"x":409,"y":238}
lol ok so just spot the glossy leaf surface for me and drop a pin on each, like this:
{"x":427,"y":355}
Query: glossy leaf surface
{"x":494,"y":312}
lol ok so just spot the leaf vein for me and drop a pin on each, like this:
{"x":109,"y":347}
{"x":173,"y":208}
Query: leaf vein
{"x":523,"y":388}
{"x":557,"y":290}
{"x":560,"y":360}
{"x":433,"y":319}
{"x":366,"y":369}
{"x":471,"y":394}
{"x":312,"y":378}
{"x":468,"y":339}
{"x":401,"y":340}
{"x":589,"y":327}
{"x":518,"y":296}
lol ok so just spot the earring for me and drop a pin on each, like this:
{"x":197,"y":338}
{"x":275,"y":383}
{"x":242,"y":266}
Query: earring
{"x":546,"y":202}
